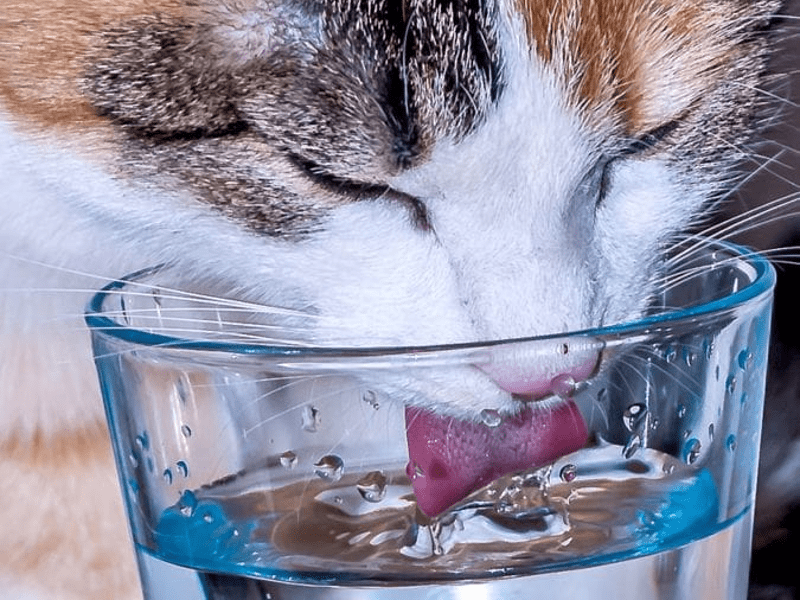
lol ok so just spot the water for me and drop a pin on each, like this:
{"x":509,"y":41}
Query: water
{"x":594,"y":525}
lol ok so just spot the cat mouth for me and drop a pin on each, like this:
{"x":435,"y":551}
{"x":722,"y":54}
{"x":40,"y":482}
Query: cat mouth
{"x":449,"y":457}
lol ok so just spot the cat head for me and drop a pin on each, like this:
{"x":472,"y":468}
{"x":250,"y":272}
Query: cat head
{"x":427,"y":171}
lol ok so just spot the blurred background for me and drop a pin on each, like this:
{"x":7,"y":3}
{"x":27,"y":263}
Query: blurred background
{"x":776,"y":176}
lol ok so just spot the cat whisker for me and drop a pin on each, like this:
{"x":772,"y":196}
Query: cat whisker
{"x":165,"y":292}
{"x":753,"y":218}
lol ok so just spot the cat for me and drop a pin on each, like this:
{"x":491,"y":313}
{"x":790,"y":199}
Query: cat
{"x":408,"y":172}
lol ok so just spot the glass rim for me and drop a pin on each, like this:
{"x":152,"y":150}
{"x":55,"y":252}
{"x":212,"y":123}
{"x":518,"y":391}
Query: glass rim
{"x":761,"y":284}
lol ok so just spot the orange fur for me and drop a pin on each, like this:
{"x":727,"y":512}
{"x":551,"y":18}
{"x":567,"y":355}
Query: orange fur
{"x":614,"y":55}
{"x":56,"y":483}
{"x":43,"y":42}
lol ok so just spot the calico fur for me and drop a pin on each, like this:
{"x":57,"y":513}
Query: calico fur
{"x":411,"y":172}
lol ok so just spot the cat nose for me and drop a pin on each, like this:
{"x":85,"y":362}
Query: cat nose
{"x":535,"y":369}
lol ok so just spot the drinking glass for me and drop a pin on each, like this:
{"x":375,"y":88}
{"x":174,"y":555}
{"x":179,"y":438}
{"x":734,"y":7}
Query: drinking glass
{"x":260,"y":469}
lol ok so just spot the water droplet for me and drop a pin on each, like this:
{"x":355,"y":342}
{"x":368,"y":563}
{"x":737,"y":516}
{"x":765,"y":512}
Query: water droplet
{"x":186,"y":431}
{"x":708,"y":347}
{"x":745,"y":359}
{"x":372,"y":486}
{"x":183,"y":468}
{"x":150,"y":465}
{"x":182,"y":387}
{"x":208,"y":518}
{"x":371,"y":398}
{"x":633,"y":416}
{"x":133,"y":460}
{"x":730,"y":442}
{"x":730,"y":384}
{"x":329,"y":467}
{"x":691,"y":451}
{"x":688,"y":357}
{"x":710,"y":431}
{"x":143,"y":441}
{"x":310,"y":418}
{"x":681,"y":411}
{"x":490,"y":417}
{"x":124,"y":310}
{"x":634,"y":443}
{"x":670,"y":353}
{"x":563,"y":386}
{"x":602,"y":396}
{"x":288,"y":460}
{"x":743,"y":399}
{"x":168,"y":476}
{"x":187,"y":503}
{"x":134,"y":485}
{"x":568,"y":473}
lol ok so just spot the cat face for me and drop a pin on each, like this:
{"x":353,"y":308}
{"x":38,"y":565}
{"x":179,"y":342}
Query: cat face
{"x":418,"y":172}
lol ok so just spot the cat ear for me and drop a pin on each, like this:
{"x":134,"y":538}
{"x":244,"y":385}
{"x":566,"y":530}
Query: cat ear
{"x":177,"y":75}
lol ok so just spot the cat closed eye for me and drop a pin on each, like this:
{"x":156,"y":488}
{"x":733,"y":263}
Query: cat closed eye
{"x":363,"y":191}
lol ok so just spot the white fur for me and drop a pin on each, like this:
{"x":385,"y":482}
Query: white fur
{"x":514,"y":251}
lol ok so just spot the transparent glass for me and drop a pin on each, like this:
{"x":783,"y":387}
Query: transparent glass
{"x":252,"y":469}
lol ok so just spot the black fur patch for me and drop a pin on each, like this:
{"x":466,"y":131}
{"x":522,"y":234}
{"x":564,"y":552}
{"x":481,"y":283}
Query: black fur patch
{"x":364,"y":99}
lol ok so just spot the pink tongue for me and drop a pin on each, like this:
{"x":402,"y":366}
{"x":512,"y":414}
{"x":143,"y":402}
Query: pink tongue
{"x":450,"y":458}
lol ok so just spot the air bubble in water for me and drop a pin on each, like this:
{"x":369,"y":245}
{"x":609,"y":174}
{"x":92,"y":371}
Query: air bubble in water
{"x":490,"y":417}
{"x":633,"y":415}
{"x":187,"y":503}
{"x":133,"y":460}
{"x":691,"y":451}
{"x":710,"y":431}
{"x":372,"y":486}
{"x":288,"y":460}
{"x":568,"y":473}
{"x":310,"y":419}
{"x":183,"y":468}
{"x":329,"y":467}
{"x":168,"y":476}
{"x":730,"y":442}
{"x":186,"y":431}
{"x":745,"y":359}
{"x":730,"y":384}
{"x":681,"y":411}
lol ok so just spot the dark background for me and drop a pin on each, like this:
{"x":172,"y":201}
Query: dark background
{"x":775,"y":574}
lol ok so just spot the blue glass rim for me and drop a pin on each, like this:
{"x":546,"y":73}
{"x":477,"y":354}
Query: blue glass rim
{"x":761,"y":285}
